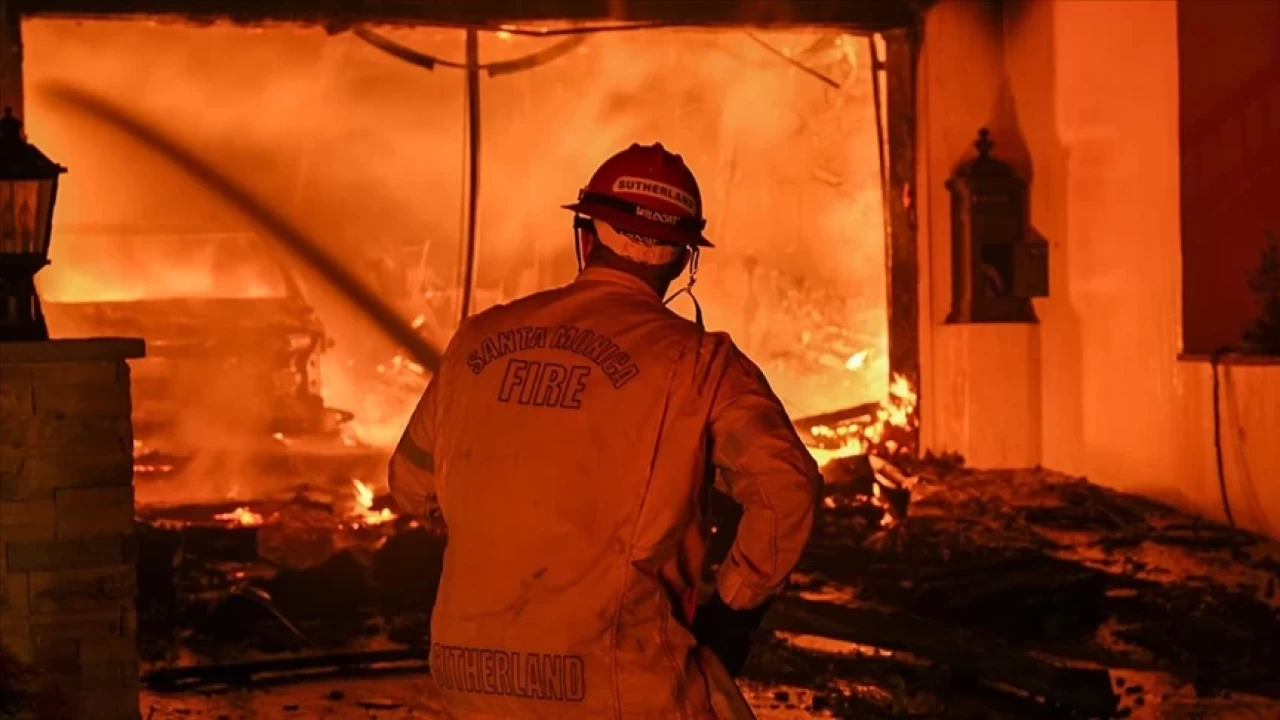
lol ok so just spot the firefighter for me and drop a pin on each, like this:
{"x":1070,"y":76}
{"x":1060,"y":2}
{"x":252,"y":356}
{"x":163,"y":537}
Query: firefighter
{"x":567,"y":444}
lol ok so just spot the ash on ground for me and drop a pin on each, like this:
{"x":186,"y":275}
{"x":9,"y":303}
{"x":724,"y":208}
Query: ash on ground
{"x":1012,"y":594}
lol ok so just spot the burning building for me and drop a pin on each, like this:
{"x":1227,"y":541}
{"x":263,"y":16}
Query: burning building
{"x":803,"y":282}
{"x":1071,"y":294}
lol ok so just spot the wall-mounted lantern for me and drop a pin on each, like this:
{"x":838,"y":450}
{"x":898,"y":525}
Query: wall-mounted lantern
{"x":996,"y":268}
{"x":28,"y":189}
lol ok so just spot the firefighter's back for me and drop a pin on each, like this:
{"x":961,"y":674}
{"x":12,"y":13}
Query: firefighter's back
{"x":564,"y":478}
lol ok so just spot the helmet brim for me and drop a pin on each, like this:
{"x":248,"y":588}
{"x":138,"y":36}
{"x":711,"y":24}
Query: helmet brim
{"x":627,"y":222}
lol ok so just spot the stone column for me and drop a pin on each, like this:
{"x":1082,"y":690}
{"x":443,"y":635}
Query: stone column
{"x":67,"y":598}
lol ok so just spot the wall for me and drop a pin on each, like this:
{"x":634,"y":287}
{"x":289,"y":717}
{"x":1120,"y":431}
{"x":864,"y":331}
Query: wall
{"x":1086,"y":102}
{"x":1229,"y":88}
{"x":977,"y":382}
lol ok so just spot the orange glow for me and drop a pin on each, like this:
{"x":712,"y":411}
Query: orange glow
{"x":354,"y":146}
{"x":240,"y":516}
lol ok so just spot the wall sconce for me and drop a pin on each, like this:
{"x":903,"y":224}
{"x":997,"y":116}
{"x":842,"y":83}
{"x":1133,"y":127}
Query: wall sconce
{"x":996,"y":268}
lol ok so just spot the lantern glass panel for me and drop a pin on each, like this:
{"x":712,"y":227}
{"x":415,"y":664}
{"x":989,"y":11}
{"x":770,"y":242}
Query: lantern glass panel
{"x":26,"y":209}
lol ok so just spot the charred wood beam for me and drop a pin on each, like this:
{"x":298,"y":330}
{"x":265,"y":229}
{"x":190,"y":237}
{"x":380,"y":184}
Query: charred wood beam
{"x":902,"y":51}
{"x":865,"y":412}
{"x":1085,"y":691}
{"x":473,"y":169}
{"x":861,"y":15}
{"x":411,"y":659}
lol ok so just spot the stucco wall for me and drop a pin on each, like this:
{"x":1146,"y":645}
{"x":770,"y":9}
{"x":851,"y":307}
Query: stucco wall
{"x":1083,"y":97}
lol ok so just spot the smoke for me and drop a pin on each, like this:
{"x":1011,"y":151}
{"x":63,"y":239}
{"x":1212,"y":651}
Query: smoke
{"x":365,"y":152}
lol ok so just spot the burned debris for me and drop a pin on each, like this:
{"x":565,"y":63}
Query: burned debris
{"x":1022,"y":593}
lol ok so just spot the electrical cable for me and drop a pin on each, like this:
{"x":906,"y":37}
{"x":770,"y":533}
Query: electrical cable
{"x":1214,"y":360}
{"x":572,"y":30}
{"x":429,"y":62}
{"x":796,"y":63}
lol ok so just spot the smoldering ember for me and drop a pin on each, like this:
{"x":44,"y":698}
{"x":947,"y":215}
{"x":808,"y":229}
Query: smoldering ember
{"x":1012,"y":267}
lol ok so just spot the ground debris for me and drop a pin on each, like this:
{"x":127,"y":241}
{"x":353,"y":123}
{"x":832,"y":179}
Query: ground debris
{"x":1022,"y":564}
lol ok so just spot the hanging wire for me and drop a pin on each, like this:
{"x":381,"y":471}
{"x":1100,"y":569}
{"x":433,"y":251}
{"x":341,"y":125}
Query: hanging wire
{"x":429,"y":62}
{"x":1246,"y":484}
{"x":1214,"y":361}
{"x":570,"y":30}
{"x":792,"y":61}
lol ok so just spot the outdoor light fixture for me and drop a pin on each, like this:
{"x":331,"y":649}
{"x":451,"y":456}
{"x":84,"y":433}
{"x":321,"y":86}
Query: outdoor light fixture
{"x":28,"y":189}
{"x":997,"y":264}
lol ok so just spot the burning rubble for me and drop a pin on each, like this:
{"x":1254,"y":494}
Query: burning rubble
{"x":857,"y":450}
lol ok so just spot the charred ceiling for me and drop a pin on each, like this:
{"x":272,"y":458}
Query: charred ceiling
{"x":864,"y":15}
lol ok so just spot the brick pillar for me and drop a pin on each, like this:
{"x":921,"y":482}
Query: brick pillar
{"x":67,"y":600}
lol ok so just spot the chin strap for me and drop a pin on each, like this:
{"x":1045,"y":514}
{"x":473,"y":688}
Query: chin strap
{"x":688,"y":288}
{"x":579,"y":224}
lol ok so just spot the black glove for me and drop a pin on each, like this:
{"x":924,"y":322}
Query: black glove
{"x":727,"y":632}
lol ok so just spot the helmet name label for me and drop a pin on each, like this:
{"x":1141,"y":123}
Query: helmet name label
{"x":655,"y":189}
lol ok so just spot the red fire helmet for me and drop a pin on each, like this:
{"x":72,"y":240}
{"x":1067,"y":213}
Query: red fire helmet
{"x":648,"y":191}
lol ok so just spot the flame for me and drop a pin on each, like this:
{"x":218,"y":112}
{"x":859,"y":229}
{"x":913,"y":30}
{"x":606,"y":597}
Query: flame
{"x":364,"y":494}
{"x":896,"y":412}
{"x":364,"y":513}
{"x":785,"y":137}
{"x":152,"y":468}
{"x":240,"y":516}
{"x":856,"y":361}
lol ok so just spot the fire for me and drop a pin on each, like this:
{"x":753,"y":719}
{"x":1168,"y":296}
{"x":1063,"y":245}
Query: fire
{"x":895,"y":416}
{"x":364,"y":494}
{"x":364,"y":513}
{"x":240,"y":516}
{"x":777,"y":138}
{"x":856,"y":361}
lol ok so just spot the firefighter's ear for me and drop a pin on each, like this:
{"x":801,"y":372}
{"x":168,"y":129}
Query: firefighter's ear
{"x":685,"y":256}
{"x":584,"y":239}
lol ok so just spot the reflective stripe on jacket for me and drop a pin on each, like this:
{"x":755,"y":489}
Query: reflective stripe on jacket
{"x":566,"y":444}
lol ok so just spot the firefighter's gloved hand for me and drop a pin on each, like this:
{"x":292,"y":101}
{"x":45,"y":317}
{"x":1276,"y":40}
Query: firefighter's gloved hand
{"x":727,"y":632}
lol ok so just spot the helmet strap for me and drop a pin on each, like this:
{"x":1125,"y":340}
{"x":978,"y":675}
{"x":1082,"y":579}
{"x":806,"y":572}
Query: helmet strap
{"x":579,"y":224}
{"x":688,"y":288}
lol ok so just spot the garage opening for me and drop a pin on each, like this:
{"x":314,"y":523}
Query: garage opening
{"x":260,"y":377}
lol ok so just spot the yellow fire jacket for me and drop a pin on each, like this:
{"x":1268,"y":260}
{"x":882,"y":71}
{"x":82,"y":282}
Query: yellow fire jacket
{"x":566,"y":443}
